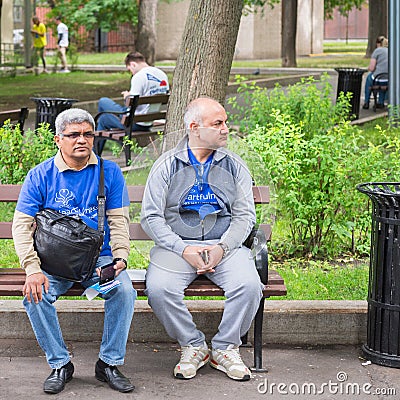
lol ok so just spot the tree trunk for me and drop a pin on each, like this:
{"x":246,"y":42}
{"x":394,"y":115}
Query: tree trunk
{"x":289,"y":29}
{"x":146,"y":38}
{"x":204,"y":60}
{"x":377,"y":23}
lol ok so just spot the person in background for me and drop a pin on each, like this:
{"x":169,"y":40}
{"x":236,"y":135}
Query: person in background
{"x":198,"y":208}
{"x":377,"y":65}
{"x":38,"y":32}
{"x":62,"y":44}
{"x":146,"y":81}
{"x":65,"y":183}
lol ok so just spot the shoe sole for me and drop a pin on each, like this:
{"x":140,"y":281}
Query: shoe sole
{"x":202,"y":364}
{"x":219,"y":367}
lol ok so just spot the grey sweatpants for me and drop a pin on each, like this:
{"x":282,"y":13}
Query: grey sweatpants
{"x":169,"y":274}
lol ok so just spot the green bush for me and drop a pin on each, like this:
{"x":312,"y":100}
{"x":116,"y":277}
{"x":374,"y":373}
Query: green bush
{"x":308,"y":102}
{"x":315,"y":159}
{"x":21,"y":152}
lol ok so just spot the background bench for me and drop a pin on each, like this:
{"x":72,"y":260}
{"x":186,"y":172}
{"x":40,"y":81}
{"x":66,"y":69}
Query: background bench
{"x":13,"y":279}
{"x":143,"y":138}
{"x":380,"y":85}
{"x":15,"y":117}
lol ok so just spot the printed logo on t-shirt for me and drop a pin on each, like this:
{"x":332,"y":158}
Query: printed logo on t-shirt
{"x":155,"y":79}
{"x":64,"y":196}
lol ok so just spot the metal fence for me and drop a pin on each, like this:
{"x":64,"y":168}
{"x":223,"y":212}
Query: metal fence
{"x":11,"y":57}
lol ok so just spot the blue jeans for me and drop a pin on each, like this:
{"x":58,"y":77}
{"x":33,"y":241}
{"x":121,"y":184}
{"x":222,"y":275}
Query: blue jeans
{"x":368,"y":83}
{"x":110,"y":121}
{"x":118,"y":313}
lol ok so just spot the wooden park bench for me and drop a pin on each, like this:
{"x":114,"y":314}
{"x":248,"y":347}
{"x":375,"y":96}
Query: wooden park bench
{"x":12,"y":279}
{"x":15,"y":117}
{"x":143,"y":138}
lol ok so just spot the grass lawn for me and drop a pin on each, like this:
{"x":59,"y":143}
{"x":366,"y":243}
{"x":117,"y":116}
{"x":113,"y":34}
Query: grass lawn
{"x":16,"y":92}
{"x":324,"y":280}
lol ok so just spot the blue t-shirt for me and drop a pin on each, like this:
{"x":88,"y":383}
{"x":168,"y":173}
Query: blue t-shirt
{"x":201,"y":198}
{"x":73,"y":192}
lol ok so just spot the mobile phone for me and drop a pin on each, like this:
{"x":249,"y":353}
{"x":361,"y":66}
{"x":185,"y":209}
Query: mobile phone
{"x":204,"y":256}
{"x":107,"y":273}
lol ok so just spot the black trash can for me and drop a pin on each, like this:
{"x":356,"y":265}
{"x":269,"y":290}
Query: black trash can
{"x":47,"y":109}
{"x":349,"y":80}
{"x":383,"y":325}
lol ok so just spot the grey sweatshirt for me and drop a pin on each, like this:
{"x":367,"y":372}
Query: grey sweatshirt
{"x":172,"y":176}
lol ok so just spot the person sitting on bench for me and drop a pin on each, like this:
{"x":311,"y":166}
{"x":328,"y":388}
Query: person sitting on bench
{"x":378,"y":64}
{"x":145,"y":81}
{"x":198,"y":208}
{"x":65,"y":183}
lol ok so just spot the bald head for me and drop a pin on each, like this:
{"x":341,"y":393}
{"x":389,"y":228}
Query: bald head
{"x":199,"y":108}
{"x":205,"y":120}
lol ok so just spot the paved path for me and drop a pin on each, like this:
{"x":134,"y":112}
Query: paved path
{"x":334,"y":372}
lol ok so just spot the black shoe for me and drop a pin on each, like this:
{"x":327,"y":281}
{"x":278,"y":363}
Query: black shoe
{"x":366,"y":106}
{"x":114,"y":378}
{"x":56,"y":381}
{"x":380,"y":106}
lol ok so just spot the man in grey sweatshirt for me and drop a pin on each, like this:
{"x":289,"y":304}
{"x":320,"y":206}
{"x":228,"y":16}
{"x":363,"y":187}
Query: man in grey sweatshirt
{"x":198,"y":208}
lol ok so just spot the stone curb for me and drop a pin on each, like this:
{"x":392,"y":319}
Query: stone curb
{"x":292,"y":322}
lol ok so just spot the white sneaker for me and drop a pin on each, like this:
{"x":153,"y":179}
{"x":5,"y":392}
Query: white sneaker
{"x":64,"y":71}
{"x":230,"y":362}
{"x":192,"y":359}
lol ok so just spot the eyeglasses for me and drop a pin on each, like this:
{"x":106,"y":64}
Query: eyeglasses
{"x":75,"y":135}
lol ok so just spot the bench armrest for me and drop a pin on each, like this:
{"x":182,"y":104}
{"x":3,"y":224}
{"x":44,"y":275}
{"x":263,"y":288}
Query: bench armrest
{"x":257,"y":242}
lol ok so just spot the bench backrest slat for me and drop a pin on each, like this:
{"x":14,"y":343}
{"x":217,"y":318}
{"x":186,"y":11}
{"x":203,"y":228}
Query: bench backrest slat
{"x":15,"y":117}
{"x":151,"y":116}
{"x":155,"y":99}
{"x":10,"y":193}
{"x":161,"y":99}
{"x":133,"y":101}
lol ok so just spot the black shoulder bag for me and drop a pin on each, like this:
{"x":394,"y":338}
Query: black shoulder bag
{"x":66,"y":246}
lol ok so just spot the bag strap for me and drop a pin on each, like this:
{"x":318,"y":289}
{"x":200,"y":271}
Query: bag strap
{"x":101,"y":200}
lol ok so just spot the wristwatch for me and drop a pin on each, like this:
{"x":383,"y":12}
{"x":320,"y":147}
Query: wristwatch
{"x":225,"y":249}
{"x":121,"y":259}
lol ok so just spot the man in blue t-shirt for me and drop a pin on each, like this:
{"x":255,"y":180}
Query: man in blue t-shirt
{"x":68,"y":183}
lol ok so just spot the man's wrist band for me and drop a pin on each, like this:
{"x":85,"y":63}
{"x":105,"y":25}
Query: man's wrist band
{"x":225,"y":249}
